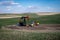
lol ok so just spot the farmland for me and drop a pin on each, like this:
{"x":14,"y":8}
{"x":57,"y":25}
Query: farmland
{"x":48,"y":21}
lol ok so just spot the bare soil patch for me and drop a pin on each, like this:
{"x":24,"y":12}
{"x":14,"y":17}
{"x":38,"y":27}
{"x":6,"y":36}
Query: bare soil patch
{"x":4,"y":17}
{"x":40,"y":27}
{"x":47,"y":13}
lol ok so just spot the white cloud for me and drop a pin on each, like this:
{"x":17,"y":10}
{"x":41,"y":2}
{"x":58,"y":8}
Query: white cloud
{"x":49,"y":8}
{"x":33,"y":7}
{"x":12,"y":2}
{"x":8,"y":3}
{"x":8,"y":7}
{"x":19,"y":5}
{"x":30,"y":6}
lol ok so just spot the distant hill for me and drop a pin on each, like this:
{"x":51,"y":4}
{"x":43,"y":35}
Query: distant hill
{"x":47,"y":13}
{"x":30,"y":14}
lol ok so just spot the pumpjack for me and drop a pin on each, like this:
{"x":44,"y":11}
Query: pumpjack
{"x":24,"y":21}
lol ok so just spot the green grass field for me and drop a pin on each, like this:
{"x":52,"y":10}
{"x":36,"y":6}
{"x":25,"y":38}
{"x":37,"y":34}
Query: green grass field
{"x":49,"y":19}
{"x":22,"y":35}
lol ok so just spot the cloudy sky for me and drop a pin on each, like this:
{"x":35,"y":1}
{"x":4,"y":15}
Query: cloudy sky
{"x":21,"y":6}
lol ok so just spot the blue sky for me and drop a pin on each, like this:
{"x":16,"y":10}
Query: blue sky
{"x":21,"y":6}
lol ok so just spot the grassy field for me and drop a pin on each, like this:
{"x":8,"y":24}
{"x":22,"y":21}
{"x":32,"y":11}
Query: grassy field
{"x":23,"y":35}
{"x":49,"y":19}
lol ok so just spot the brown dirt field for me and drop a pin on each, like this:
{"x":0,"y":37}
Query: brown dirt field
{"x":40,"y":27}
{"x":5,"y":17}
{"x":47,"y":13}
